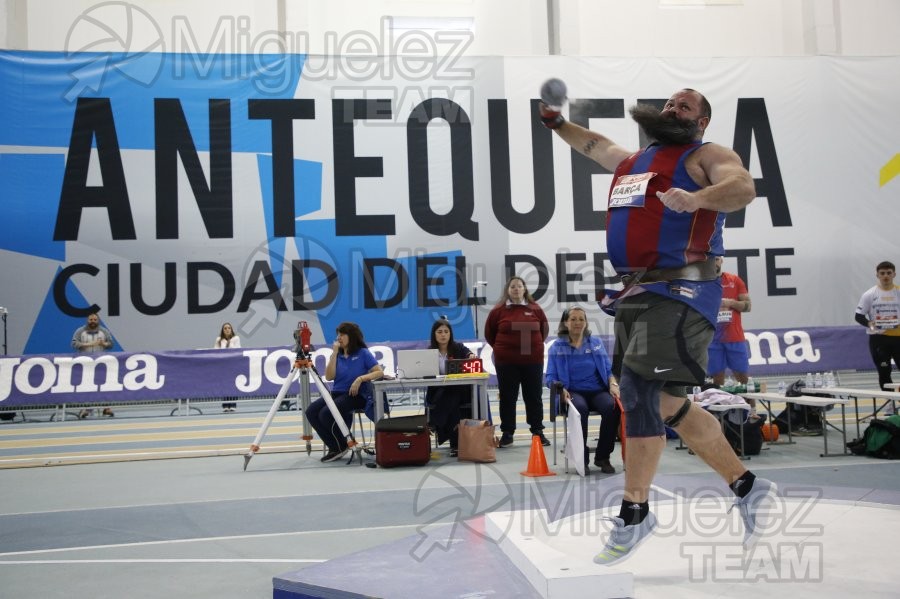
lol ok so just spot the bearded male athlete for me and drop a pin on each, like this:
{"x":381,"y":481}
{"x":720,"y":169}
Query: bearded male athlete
{"x":665,"y":215}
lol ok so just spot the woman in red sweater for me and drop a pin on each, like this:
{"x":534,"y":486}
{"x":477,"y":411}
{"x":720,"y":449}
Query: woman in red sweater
{"x":516,"y":329}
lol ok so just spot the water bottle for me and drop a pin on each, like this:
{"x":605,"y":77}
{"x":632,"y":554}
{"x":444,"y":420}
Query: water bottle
{"x":818,"y":381}
{"x":751,"y":386}
{"x":809,"y":380}
{"x":829,"y":379}
{"x":696,"y":392}
{"x":782,"y":387}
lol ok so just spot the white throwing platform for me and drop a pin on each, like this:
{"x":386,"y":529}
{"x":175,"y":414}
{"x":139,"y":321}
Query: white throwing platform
{"x":554,"y":569}
{"x":812,"y":549}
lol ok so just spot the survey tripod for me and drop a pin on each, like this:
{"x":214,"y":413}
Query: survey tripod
{"x":305,"y":371}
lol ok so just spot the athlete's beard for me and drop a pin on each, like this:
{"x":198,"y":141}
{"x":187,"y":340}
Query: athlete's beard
{"x":667,"y":130}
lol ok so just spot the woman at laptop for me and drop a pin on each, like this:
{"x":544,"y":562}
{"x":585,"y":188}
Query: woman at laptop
{"x":579,"y":361}
{"x":351,"y":366}
{"x":516,"y":329}
{"x":445,"y":403}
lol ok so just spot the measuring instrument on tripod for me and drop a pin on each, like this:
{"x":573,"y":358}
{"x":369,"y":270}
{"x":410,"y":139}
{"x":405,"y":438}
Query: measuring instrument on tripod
{"x":304,"y":370}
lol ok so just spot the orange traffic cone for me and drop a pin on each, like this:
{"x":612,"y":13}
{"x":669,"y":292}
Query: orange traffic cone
{"x":537,"y":461}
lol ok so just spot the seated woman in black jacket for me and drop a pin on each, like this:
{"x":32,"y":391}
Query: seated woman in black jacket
{"x":444,"y":402}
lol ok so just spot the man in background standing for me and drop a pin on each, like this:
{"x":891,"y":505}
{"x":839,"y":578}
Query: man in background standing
{"x":89,"y":339}
{"x":879,"y":312}
{"x":729,"y":347}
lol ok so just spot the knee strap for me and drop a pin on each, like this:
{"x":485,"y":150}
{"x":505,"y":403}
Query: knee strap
{"x":640,"y":399}
{"x":677,"y":417}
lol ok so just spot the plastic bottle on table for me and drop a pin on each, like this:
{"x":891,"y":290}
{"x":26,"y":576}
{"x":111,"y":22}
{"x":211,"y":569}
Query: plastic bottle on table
{"x":751,"y":386}
{"x":809,"y":380}
{"x":818,"y":380}
{"x":696,"y":392}
{"x":782,"y":387}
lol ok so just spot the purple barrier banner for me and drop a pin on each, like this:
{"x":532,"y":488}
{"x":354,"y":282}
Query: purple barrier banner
{"x":798,"y":351}
{"x":51,"y":379}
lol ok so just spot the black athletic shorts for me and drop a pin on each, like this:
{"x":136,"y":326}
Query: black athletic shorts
{"x":662,"y":339}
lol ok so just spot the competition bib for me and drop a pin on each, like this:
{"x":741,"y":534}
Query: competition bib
{"x":886,"y":322}
{"x":724,"y":316}
{"x":630,"y":191}
{"x":887,"y":316}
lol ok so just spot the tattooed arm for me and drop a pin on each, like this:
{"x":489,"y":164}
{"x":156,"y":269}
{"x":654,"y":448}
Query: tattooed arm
{"x":598,"y":148}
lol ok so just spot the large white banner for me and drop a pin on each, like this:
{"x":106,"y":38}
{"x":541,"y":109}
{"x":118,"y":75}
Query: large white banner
{"x":179,"y":191}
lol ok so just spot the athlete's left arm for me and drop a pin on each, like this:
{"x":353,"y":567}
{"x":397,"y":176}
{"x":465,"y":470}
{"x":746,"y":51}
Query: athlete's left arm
{"x":728,"y":185}
{"x":731,"y":186}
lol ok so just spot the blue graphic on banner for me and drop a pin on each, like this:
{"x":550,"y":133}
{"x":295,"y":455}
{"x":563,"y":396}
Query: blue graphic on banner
{"x":45,"y":87}
{"x":29,"y":218}
{"x":132,"y":83}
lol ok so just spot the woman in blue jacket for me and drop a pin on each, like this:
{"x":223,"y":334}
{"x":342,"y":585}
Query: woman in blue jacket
{"x":352,"y":367}
{"x":580,"y":362}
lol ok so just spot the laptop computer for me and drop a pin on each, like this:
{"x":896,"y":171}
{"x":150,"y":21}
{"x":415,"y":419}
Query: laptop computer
{"x":417,"y":363}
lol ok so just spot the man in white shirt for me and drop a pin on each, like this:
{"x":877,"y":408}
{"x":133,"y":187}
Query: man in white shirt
{"x":879,"y":312}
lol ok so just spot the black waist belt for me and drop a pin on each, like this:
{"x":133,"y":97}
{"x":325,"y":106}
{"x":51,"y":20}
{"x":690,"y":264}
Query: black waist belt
{"x":695,"y":271}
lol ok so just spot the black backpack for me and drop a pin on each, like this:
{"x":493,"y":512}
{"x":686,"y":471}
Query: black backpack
{"x":753,"y":440}
{"x":801,"y":417}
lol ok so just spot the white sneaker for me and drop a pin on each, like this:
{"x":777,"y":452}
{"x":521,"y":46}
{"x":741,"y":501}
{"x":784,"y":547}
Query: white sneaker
{"x":755,"y":509}
{"x":624,"y":539}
